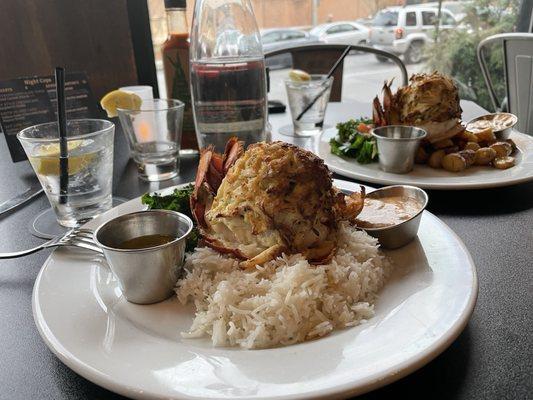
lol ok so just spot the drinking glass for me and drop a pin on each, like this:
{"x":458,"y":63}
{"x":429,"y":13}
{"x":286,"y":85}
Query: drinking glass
{"x":90,"y":167}
{"x":303,"y":93}
{"x":154,"y":136}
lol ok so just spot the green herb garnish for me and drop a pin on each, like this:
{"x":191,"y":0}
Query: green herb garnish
{"x":177,"y":201}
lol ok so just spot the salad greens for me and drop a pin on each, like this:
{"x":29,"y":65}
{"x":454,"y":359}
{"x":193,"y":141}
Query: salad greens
{"x":177,"y":201}
{"x":353,"y":140}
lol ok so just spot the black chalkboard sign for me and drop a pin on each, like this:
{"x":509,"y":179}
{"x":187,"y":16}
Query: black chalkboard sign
{"x":29,"y":101}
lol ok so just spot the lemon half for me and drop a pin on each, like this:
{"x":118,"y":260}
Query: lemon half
{"x":120,"y":99}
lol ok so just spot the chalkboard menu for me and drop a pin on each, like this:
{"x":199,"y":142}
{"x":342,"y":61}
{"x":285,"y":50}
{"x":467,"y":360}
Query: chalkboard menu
{"x":32,"y":100}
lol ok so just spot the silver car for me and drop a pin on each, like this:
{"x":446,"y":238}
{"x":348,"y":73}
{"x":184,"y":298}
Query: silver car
{"x":274,"y":39}
{"x":343,"y":32}
{"x":406,"y":30}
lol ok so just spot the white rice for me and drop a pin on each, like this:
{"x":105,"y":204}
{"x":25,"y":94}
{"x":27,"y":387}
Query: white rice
{"x":286,"y":300}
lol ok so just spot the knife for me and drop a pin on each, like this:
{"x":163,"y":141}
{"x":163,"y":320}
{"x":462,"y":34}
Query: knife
{"x":21,"y":198}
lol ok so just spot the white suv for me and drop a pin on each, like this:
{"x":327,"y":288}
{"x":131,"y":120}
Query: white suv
{"x":406,"y":30}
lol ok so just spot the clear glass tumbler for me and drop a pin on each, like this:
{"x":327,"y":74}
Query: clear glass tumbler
{"x":154,"y":135}
{"x":303,"y":93}
{"x":90,"y":167}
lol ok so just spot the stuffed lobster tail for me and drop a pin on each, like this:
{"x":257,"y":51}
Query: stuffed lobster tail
{"x":271,"y":198}
{"x":430,"y":102}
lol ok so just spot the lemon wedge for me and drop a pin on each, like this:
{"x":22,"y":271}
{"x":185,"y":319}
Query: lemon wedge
{"x":53,"y":149}
{"x":299,"y":76}
{"x":120,"y":99}
{"x":46,"y":159}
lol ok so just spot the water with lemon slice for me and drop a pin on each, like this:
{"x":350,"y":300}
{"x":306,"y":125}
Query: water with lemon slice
{"x":90,"y":166}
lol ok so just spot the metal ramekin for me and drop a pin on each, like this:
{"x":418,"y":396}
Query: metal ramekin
{"x":146,"y":275}
{"x":395,"y":236}
{"x":502,"y":134}
{"x":397,"y":147}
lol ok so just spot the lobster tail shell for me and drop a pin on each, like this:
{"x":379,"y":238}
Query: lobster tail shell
{"x":212,"y":168}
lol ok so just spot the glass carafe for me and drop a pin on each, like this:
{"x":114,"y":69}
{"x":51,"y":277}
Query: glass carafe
{"x":227,"y":70}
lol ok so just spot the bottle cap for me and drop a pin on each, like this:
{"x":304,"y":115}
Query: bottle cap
{"x":175,"y":3}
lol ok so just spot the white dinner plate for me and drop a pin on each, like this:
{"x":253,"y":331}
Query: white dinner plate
{"x":137,"y":350}
{"x":426,"y":177}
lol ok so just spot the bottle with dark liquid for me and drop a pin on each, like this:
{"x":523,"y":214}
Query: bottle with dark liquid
{"x":175,"y":51}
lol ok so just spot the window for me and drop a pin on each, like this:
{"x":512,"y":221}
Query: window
{"x":344,"y":28}
{"x":386,"y":18}
{"x":291,"y":35}
{"x":463,"y":23}
{"x":447,"y":19}
{"x":410,"y":19}
{"x":428,"y":17}
{"x":340,"y":28}
{"x":271,"y":37}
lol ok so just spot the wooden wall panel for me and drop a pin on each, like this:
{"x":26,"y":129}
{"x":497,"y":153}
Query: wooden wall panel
{"x":81,"y":35}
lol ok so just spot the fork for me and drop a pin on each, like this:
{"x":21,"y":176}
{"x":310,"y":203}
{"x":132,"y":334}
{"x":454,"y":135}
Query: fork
{"x":78,"y":237}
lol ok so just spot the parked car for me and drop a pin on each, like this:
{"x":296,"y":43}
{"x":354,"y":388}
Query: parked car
{"x":274,"y":39}
{"x":406,"y":30}
{"x":343,"y":32}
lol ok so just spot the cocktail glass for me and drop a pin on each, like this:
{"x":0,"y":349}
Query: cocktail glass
{"x":301,"y":94}
{"x":90,"y":167}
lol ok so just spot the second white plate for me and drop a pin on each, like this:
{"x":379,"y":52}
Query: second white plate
{"x":426,"y":177}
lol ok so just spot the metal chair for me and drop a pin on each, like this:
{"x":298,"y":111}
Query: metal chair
{"x":319,"y":58}
{"x":518,"y":70}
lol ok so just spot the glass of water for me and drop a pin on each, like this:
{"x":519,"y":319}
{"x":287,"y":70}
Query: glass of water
{"x":90,"y":167}
{"x":301,"y":94}
{"x":154,"y":136}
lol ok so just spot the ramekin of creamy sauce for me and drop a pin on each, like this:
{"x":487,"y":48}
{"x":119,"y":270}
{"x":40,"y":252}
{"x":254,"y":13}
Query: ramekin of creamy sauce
{"x":387,"y":211}
{"x":392,"y":214}
{"x":497,"y":122}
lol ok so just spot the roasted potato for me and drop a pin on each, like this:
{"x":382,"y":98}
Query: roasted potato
{"x":421,"y":156}
{"x":486,"y":135}
{"x":472,"y":146}
{"x":441,"y":144}
{"x":512,"y":143}
{"x":503,"y":162}
{"x":453,"y":149}
{"x":468,"y":136}
{"x":503,"y":149}
{"x":435,"y":159}
{"x":484,"y":156}
{"x":469,"y":156}
{"x":454,"y":162}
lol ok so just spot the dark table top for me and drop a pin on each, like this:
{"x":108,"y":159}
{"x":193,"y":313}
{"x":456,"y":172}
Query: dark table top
{"x":491,"y":359}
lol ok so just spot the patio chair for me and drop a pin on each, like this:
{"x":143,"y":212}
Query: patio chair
{"x":319,"y":58}
{"x":518,"y":71}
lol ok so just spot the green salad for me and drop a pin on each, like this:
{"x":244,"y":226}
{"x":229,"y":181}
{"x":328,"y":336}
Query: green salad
{"x":353,"y":140}
{"x":177,"y":201}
